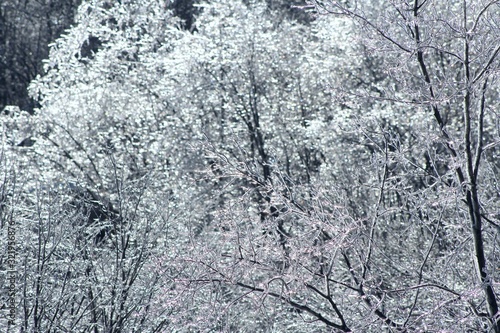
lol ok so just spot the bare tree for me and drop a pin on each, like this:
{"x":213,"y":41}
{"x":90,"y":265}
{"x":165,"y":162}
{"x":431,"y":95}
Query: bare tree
{"x":448,"y":59}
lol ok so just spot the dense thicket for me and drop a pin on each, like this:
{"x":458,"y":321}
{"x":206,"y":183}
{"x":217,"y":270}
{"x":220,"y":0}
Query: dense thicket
{"x":241,"y":166}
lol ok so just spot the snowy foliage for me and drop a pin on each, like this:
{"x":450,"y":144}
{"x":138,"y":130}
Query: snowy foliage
{"x":260,"y":173}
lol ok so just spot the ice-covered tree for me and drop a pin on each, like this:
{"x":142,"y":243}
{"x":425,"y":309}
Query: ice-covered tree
{"x":259,"y":172}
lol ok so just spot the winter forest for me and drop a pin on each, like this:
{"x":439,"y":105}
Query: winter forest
{"x":249,"y":166}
